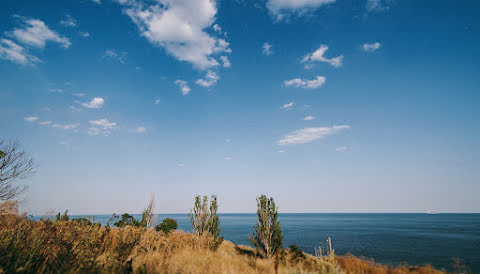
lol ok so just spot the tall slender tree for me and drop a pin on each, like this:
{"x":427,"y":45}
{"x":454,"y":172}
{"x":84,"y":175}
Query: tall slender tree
{"x":204,"y":218}
{"x":267,"y":235}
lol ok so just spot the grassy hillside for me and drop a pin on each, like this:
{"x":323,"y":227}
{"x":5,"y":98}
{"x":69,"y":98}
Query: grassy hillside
{"x":81,"y":246}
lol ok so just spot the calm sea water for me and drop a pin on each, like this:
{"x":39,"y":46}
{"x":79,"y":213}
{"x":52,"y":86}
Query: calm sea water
{"x":416,"y":239}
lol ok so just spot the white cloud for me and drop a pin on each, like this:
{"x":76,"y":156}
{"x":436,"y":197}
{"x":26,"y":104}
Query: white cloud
{"x":183,"y":86}
{"x":74,"y":108}
{"x":309,"y":118}
{"x":141,"y":130}
{"x":84,"y":33}
{"x":210,"y":79}
{"x":378,"y":5}
{"x":281,"y":151}
{"x":310,"y":84}
{"x":111,"y":54}
{"x":69,"y":21}
{"x":102,"y":126}
{"x":96,"y":102}
{"x":178,"y":26}
{"x":371,"y":47}
{"x":96,"y":1}
{"x":31,"y":119}
{"x":79,"y":94}
{"x":267,"y":49}
{"x":225,"y":61}
{"x":45,"y":123}
{"x":36,"y":33}
{"x":318,"y":56}
{"x":228,"y":158}
{"x":307,"y":135}
{"x":55,"y":90}
{"x":180,"y":164}
{"x":157,"y":101}
{"x":217,"y":28}
{"x":73,"y":127}
{"x":288,"y":105}
{"x":341,"y":148}
{"x":281,"y":9}
{"x":11,"y":51}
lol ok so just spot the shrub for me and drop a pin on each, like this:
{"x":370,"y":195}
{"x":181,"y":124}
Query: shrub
{"x":267,"y":235}
{"x":167,"y":225}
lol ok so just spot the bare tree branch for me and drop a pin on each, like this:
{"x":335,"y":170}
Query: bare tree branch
{"x":15,"y":165}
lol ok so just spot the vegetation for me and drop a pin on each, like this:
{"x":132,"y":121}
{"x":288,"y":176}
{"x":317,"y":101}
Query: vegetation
{"x":167,"y":225}
{"x":15,"y":165}
{"x":267,"y":235}
{"x":72,"y":246}
{"x":204,"y":218}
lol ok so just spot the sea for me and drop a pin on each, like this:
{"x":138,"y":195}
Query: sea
{"x":394,"y":238}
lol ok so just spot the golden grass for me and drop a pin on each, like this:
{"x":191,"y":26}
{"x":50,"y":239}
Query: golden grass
{"x":70,"y":246}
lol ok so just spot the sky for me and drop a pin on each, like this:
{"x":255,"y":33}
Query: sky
{"x":325,"y":105}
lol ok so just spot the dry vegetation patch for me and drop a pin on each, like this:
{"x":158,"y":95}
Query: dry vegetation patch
{"x":82,"y":246}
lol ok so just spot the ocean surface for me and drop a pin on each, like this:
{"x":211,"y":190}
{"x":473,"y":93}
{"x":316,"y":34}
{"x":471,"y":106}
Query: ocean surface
{"x":416,"y":239}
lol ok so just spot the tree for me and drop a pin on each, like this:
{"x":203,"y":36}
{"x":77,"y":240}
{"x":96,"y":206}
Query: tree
{"x":267,"y":235}
{"x":167,"y":225}
{"x":204,"y":218}
{"x":126,"y":219}
{"x":15,"y":164}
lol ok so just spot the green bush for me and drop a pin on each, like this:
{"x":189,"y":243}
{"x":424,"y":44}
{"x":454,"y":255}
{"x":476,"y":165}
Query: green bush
{"x":167,"y":225}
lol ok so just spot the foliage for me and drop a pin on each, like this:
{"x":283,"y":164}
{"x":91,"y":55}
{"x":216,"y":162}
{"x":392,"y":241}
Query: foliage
{"x":297,"y":253}
{"x":71,"y":247}
{"x":15,"y":165}
{"x":63,"y":217}
{"x":267,"y":235}
{"x":204,"y":218}
{"x":167,"y":225}
{"x":125,"y":220}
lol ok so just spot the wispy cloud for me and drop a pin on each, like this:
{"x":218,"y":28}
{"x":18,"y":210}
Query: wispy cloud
{"x":102,"y":126}
{"x":73,"y":127}
{"x":96,"y":102}
{"x":157,"y":101}
{"x":45,"y":123}
{"x":69,"y":21}
{"x":210,"y":79}
{"x":55,"y":90}
{"x":308,"y":84}
{"x":282,"y":9}
{"x":288,"y":105}
{"x":307,"y":135}
{"x":183,"y":86}
{"x":84,"y":34}
{"x":371,"y":47}
{"x":97,"y":1}
{"x":31,"y":119}
{"x":267,"y":49}
{"x":179,"y":27}
{"x":35,"y":33}
{"x":117,"y":56}
{"x":317,"y":56}
{"x":309,"y":118}
{"x":341,"y":148}
{"x":378,"y":5}
{"x":13,"y":52}
{"x":140,"y":130}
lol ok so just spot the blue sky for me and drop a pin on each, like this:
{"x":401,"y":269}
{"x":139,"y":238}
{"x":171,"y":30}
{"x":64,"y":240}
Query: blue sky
{"x":328,"y":106}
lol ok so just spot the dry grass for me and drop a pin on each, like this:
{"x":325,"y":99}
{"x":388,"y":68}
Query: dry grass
{"x":70,"y":246}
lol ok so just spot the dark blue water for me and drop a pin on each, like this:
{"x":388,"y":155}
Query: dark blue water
{"x":416,"y":239}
